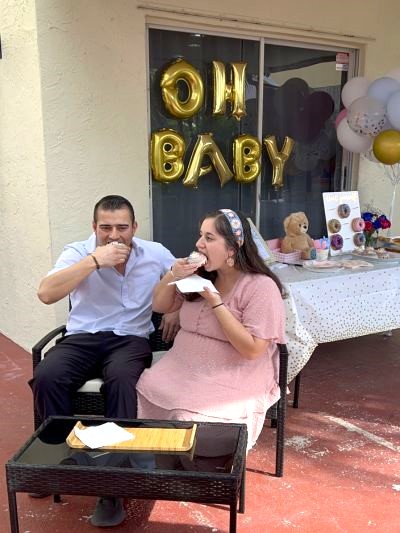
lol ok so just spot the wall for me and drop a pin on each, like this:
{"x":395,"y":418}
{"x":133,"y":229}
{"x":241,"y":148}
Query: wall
{"x":23,"y":188}
{"x":74,"y":124}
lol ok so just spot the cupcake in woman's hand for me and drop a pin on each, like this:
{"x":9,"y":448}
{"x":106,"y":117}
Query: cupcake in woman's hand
{"x":197,"y":258}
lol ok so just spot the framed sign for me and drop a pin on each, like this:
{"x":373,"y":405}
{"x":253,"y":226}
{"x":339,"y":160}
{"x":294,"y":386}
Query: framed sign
{"x":262,"y":247}
{"x":342,"y":209}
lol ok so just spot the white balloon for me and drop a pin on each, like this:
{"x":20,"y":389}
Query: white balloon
{"x":394,"y":73}
{"x":366,"y":116}
{"x":350,"y":140}
{"x":387,"y":125}
{"x":382,"y":88}
{"x":393,"y":110}
{"x":353,"y":89}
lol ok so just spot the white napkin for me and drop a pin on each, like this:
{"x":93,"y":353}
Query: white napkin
{"x":193,"y":283}
{"x":104,"y":435}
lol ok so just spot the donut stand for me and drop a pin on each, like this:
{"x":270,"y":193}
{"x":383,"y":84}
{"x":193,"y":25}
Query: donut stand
{"x":343,"y":221}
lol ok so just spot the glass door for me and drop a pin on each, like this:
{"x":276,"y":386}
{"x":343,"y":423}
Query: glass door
{"x":177,"y":209}
{"x":301,"y":100}
{"x":292,"y":92}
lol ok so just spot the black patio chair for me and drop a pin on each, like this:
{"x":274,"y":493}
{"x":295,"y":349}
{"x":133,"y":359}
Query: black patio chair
{"x":89,"y":401}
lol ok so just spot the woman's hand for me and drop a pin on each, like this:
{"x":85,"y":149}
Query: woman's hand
{"x":213,"y":298}
{"x":182,"y":269}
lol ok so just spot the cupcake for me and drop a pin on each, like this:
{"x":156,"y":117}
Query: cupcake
{"x":197,"y":258}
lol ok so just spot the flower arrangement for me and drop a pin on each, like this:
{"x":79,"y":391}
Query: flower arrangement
{"x":373,"y":223}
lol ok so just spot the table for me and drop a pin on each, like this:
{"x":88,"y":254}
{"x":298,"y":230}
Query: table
{"x":211,"y":472}
{"x":331,"y":306}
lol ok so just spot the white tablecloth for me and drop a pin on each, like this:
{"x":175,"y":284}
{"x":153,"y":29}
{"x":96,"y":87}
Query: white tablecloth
{"x":325,"y":307}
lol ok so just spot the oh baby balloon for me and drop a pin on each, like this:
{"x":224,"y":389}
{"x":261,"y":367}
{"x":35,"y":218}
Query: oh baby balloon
{"x":168,"y":146}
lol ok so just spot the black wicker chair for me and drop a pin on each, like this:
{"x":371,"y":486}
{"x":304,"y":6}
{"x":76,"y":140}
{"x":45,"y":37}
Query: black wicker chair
{"x":88,"y":400}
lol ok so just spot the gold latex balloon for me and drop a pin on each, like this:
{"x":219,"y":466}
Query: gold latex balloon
{"x":182,"y":71}
{"x":233,"y":92}
{"x":205,"y":145}
{"x":278,"y":159}
{"x":166,"y":155}
{"x":246,"y":158}
{"x":386,"y":147}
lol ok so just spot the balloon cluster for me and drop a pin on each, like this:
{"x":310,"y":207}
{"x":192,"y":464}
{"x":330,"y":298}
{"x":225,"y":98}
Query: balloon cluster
{"x":371,"y":118}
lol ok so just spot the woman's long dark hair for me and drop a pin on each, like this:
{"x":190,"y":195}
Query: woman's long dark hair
{"x":246,"y":257}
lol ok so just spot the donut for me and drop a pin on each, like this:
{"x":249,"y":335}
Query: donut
{"x":359,"y":239}
{"x":344,"y":210}
{"x":337,"y":241}
{"x":358,"y":224}
{"x":334,"y":225}
{"x":197,"y":258}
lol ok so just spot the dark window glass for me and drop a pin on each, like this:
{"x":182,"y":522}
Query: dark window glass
{"x":301,"y":86}
{"x":177,"y":209}
{"x":301,"y":100}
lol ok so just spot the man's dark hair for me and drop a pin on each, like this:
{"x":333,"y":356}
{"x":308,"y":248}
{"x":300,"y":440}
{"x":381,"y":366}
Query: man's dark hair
{"x":111,"y":203}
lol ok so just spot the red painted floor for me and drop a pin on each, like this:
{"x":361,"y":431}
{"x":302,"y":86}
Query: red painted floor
{"x":342,"y":466}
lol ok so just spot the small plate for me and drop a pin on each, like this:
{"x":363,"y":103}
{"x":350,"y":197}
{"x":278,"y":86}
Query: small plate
{"x":322,"y":266}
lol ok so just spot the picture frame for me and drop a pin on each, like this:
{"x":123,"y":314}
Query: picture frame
{"x":263,"y":249}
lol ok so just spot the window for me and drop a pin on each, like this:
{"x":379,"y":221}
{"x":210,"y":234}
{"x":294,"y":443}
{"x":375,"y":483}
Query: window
{"x":300,"y":99}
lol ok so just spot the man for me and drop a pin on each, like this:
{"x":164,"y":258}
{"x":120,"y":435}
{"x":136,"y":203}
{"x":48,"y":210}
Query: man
{"x":109,"y":278}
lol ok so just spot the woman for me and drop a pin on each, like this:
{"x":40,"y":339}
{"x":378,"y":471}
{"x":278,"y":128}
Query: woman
{"x":223,"y":365}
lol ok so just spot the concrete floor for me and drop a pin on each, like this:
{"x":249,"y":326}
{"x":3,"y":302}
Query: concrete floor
{"x":342,"y":465}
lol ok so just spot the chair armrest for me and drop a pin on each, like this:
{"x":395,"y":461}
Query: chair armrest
{"x":283,"y":366}
{"x":38,"y":348}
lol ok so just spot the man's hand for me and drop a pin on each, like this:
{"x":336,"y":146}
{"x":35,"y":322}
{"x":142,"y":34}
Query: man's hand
{"x":170,"y":326}
{"x":112,"y":254}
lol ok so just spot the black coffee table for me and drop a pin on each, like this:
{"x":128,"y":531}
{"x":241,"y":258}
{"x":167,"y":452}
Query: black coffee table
{"x":211,"y":472}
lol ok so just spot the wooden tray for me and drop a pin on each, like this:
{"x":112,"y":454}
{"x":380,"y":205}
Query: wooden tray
{"x":149,"y":439}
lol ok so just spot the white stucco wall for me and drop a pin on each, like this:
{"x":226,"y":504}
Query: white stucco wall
{"x":74,"y":122}
{"x":23,"y":186}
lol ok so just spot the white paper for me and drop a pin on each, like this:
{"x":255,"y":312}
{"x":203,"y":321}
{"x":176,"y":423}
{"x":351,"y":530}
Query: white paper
{"x":104,"y":435}
{"x":193,"y":283}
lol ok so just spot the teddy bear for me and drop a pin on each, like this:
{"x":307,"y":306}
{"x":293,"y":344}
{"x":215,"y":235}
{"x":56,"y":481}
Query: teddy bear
{"x":297,"y":238}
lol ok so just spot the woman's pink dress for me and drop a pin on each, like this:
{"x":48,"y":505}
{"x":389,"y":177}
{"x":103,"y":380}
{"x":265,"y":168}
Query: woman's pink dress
{"x":202,"y":377}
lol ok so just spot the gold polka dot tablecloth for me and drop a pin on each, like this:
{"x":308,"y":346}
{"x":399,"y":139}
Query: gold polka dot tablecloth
{"x":331,"y":306}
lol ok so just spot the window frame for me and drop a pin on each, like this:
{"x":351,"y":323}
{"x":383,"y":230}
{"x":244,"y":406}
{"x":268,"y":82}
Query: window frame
{"x":349,"y":162}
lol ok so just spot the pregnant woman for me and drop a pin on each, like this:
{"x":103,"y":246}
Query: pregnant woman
{"x":223,"y":365}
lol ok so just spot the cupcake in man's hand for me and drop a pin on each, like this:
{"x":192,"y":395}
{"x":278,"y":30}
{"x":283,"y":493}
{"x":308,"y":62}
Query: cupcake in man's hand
{"x":197,"y":258}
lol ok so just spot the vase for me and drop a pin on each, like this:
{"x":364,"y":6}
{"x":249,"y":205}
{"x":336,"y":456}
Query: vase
{"x":370,"y":240}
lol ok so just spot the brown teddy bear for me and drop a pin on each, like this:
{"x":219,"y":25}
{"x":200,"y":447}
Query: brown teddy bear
{"x":297,"y":238}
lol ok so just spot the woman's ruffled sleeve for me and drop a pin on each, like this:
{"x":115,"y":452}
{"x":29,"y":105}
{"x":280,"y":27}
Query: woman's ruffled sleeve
{"x":263,"y":309}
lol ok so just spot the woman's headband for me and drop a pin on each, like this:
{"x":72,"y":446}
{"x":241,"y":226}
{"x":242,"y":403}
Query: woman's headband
{"x":235,"y":224}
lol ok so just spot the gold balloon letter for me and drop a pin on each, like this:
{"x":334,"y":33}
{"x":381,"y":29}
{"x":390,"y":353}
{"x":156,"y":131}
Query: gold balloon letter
{"x":246,"y":158}
{"x":205,"y":145}
{"x":182,"y":71}
{"x":234,"y":92}
{"x":167,"y":149}
{"x":278,"y":159}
